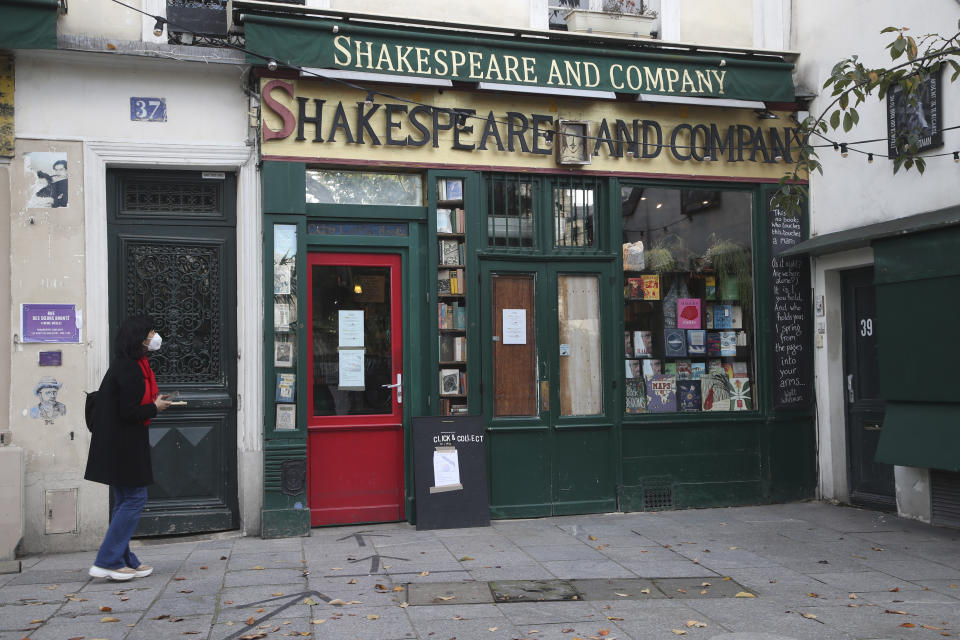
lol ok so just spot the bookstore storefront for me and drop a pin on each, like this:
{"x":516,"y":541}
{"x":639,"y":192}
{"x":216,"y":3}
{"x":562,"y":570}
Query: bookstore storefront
{"x":598,"y":277}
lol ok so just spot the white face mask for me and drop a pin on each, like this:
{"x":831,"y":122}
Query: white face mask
{"x":155,"y":342}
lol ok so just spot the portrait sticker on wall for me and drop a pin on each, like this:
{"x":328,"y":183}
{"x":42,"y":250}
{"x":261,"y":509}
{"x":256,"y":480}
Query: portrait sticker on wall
{"x":46,"y":179}
{"x":573,"y":146}
{"x":920,"y":118}
{"x":48,"y":408}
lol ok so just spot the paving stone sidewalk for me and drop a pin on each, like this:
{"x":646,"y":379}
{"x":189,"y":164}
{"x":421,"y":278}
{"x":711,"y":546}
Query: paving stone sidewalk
{"x":796,"y":571}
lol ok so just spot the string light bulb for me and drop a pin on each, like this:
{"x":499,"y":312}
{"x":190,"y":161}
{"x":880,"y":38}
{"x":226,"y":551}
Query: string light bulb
{"x":870,"y":158}
{"x":843,"y":149}
{"x":956,"y":156}
{"x":368,"y":101}
{"x":836,"y":147}
{"x":158,"y":27}
{"x":272,"y":64}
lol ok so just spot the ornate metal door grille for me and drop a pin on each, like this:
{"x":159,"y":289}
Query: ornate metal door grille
{"x":165,"y":197}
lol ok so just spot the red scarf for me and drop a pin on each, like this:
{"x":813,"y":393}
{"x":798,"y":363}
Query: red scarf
{"x":150,"y":383}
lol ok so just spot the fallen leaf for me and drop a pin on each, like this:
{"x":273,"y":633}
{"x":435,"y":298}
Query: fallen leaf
{"x":52,"y":587}
{"x":465,"y":558}
{"x":645,"y":591}
{"x":404,"y":605}
{"x":813,"y":595}
{"x":681,"y":590}
{"x":679,"y":632}
{"x":732,"y":548}
{"x":704,"y":584}
{"x":744,"y":594}
{"x":204,"y":567}
{"x":108,"y":619}
{"x":228,"y":602}
{"x":310,"y":601}
{"x":191,"y":633}
{"x":894,"y":589}
{"x":704,"y":592}
{"x":278,"y":593}
{"x":399,"y":587}
{"x":459,"y":618}
{"x":446,"y":598}
{"x":622,"y":595}
{"x":728,"y":578}
{"x":601,"y":547}
{"x":877,"y":548}
{"x":603,"y":632}
{"x":336,"y":569}
{"x":352,"y":581}
{"x":492,"y":628}
{"x":809,"y":616}
{"x":899,"y":613}
{"x":261,"y":610}
{"x":853,"y":606}
{"x":106,"y":609}
{"x":908,"y":625}
{"x":337,"y":602}
{"x":614,"y":618}
{"x":567,"y":630}
{"x":191,"y":591}
{"x":696,"y":623}
{"x":179,"y":578}
{"x":592,"y":537}
{"x":257,"y":568}
{"x":318,"y":621}
{"x":354,"y":602}
{"x":373,"y":616}
{"x":423,"y":573}
{"x":853,"y":596}
{"x":931,"y":627}
{"x":250,"y":620}
{"x":124,"y":598}
{"x":40,"y":621}
{"x":253,"y":636}
{"x":162,"y":617}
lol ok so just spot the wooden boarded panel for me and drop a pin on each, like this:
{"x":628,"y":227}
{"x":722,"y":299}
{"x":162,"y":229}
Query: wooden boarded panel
{"x":514,"y":365}
{"x":581,"y":372}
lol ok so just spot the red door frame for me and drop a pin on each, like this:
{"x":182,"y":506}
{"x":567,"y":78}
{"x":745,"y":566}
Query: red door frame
{"x":356,"y":436}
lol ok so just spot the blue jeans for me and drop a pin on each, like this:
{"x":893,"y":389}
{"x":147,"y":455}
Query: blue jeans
{"x":115,"y":550}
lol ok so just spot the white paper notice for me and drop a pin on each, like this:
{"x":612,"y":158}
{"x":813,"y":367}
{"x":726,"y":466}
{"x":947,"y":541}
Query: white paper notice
{"x":446,"y":467}
{"x":350,"y":329}
{"x":514,"y":326}
{"x":351,"y":369}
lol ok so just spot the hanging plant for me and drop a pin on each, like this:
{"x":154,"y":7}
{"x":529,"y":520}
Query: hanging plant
{"x":728,"y":258}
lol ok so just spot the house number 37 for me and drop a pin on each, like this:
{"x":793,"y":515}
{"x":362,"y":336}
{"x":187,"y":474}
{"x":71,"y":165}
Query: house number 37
{"x":866,"y":327}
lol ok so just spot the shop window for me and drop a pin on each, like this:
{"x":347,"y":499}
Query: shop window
{"x":688,"y":300}
{"x":573,"y":216}
{"x":510,"y":221}
{"x":363,"y":187}
{"x":284,"y":324}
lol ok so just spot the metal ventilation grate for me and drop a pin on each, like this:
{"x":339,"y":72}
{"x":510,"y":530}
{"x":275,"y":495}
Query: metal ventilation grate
{"x":945,"y":498}
{"x":657,"y":494}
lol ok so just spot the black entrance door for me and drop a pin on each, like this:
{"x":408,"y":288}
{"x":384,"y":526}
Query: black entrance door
{"x":871,"y":483}
{"x":173,"y":256}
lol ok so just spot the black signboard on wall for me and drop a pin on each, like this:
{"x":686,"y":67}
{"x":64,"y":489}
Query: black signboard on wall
{"x":450,"y":472}
{"x":792,"y":348}
{"x":922,"y":119}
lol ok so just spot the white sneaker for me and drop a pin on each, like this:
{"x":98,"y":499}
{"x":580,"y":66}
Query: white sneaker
{"x":143,"y":570}
{"x":124,"y":573}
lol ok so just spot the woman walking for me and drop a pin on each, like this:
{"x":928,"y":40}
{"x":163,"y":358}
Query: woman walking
{"x":119,"y":448}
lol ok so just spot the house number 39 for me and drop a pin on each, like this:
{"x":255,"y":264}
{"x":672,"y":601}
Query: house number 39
{"x":866,"y":327}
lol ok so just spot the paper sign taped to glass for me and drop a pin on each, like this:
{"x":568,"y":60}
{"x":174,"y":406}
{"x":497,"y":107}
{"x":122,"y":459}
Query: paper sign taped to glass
{"x":351,"y":369}
{"x":446,"y":470}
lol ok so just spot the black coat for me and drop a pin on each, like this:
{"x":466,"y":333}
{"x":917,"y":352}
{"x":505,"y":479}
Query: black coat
{"x":119,"y":446}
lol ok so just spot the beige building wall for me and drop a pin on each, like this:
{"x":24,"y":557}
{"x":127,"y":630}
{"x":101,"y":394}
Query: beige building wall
{"x":101,"y":19}
{"x":504,"y":13}
{"x":728,"y":23}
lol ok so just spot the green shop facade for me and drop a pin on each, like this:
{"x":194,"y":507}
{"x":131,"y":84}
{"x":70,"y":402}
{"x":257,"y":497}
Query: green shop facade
{"x":567,"y":237}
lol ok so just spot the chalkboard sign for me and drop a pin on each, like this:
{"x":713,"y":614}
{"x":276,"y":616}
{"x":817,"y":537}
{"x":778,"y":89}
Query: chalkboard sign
{"x":450,"y":472}
{"x":790,"y":313}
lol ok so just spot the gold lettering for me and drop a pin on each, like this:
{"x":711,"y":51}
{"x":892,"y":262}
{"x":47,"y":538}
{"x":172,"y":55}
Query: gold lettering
{"x":512,"y":65}
{"x":402,"y":53}
{"x":442,"y":67}
{"x":591,"y":73}
{"x":475,"y":59}
{"x":635,"y":77}
{"x":368,"y":54}
{"x":493,"y":67}
{"x":342,"y":44}
{"x":719,"y":76}
{"x":384,"y":58}
{"x":459,"y":59}
{"x":555,"y":73}
{"x":618,"y":69}
{"x":573,"y":72}
{"x":529,"y":70}
{"x":704,"y":79}
{"x":654,"y":82}
{"x":688,"y":80}
{"x":423,"y":62}
{"x":672,"y":76}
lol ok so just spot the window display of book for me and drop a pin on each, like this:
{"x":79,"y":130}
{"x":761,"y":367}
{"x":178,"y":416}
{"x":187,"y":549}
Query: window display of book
{"x":451,"y":296}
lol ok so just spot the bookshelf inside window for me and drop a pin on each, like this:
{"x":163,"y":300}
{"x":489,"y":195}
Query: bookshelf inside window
{"x":451,"y":297}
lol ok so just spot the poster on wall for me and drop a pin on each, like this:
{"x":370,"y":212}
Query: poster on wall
{"x":921,"y":118}
{"x":50,"y":323}
{"x":46,"y":177}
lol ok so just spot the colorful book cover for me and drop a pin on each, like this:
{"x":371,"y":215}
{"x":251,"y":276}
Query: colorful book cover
{"x":634,"y":289}
{"x":670,"y":369}
{"x":714,"y":366}
{"x":688,"y":313}
{"x":710,"y":287}
{"x":713,"y":343}
{"x":662,"y":394}
{"x":740,"y":369}
{"x":627,"y":343}
{"x":730,"y":287}
{"x":684,"y":370}
{"x":698,"y":370}
{"x":675,"y":343}
{"x":286,"y":387}
{"x":449,"y":252}
{"x":728,"y":344}
{"x":723,"y":316}
{"x":736,"y":316}
{"x":635,"y":395}
{"x":642,"y":344}
{"x":459,"y":316}
{"x":740,"y":393}
{"x":652,"y":368}
{"x":728,"y":369}
{"x":453,"y":189}
{"x":444,"y":221}
{"x":708,"y":316}
{"x":650,"y":284}
{"x":696,"y":342}
{"x":632,"y":368}
{"x":715,"y":390}
{"x":688,"y":395}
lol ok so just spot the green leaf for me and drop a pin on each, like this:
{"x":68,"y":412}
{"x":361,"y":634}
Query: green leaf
{"x":889,"y":29}
{"x":835,"y":119}
{"x":921,"y":165}
{"x":855,"y":116}
{"x":847,"y":122}
{"x":844,"y":100}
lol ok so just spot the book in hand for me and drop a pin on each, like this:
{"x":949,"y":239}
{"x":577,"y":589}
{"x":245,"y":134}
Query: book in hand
{"x":662,"y":394}
{"x":675,"y":343}
{"x":688,"y":395}
{"x":688,"y":313}
{"x":635,"y":395}
{"x":696,"y":342}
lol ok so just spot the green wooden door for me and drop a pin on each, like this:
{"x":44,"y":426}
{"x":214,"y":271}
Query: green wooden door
{"x":548,"y":388}
{"x":172,"y":239}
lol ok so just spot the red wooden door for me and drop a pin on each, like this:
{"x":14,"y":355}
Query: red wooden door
{"x":355,"y":418}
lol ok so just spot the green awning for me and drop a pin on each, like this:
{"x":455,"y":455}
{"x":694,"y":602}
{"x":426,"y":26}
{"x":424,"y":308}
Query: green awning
{"x":471,"y":57}
{"x":28,"y":24}
{"x":921,"y":434}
